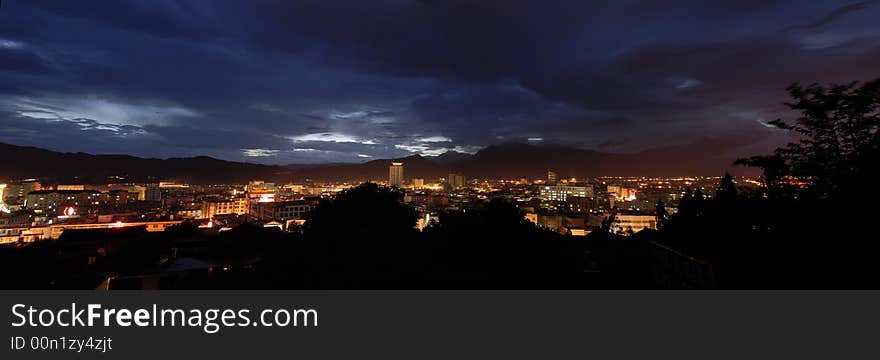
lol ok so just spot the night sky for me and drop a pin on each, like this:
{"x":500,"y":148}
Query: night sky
{"x":346,"y":81}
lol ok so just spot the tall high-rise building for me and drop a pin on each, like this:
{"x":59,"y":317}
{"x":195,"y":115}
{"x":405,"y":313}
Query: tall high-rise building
{"x":395,"y":174}
{"x":552,"y":177}
{"x":455,"y":181}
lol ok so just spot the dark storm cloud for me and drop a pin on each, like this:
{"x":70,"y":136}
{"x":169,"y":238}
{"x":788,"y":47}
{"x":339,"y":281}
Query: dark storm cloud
{"x":14,"y":60}
{"x":317,"y":81}
{"x":837,"y":14}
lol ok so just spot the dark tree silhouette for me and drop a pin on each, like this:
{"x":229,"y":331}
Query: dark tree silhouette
{"x":662,"y":213}
{"x":493,"y":246}
{"x":838,"y":134}
{"x":363,"y":238}
{"x":726,"y":191}
{"x":365,"y":211}
{"x":809,"y":229}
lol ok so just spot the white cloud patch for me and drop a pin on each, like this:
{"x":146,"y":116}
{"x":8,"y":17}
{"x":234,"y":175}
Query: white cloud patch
{"x":104,"y":110}
{"x":467,"y":149}
{"x":349,"y":115}
{"x":412,"y":148}
{"x":10,"y":44}
{"x":435,"y":139}
{"x":332,"y":137}
{"x":688,"y":83}
{"x":369,"y":116}
{"x":681,"y":82}
{"x":259,"y":152}
{"x":425,"y":150}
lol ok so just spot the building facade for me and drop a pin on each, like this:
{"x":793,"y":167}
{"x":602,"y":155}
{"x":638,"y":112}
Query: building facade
{"x":563,"y":193}
{"x":455,"y":181}
{"x":418,"y":183}
{"x":625,"y":223}
{"x":280,"y":211}
{"x":51,"y":201}
{"x":219,"y":206}
{"x":395,"y":174}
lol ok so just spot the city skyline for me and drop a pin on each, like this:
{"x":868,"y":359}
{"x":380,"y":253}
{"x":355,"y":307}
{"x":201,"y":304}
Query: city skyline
{"x":319,"y":82}
{"x":510,"y":217}
{"x":504,"y":161}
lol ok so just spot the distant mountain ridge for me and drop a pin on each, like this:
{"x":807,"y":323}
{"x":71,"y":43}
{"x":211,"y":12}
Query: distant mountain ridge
{"x":516,"y":160}
{"x":509,"y":161}
{"x":26,"y":162}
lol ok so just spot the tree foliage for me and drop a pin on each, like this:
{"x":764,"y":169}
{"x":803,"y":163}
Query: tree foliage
{"x":838,"y":139}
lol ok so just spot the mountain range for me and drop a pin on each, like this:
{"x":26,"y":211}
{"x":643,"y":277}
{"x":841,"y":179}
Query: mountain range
{"x":508,"y":161}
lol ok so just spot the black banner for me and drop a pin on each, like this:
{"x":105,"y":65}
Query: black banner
{"x":441,"y":324}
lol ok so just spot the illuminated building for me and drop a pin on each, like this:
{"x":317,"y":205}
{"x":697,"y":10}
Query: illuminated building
{"x":455,"y":181}
{"x":280,"y":211}
{"x":55,"y":231}
{"x":622,"y":193}
{"x":259,"y":191}
{"x":560,"y":223}
{"x":172,"y":185}
{"x":261,"y":186}
{"x":295,"y":188}
{"x":418,"y":183}
{"x":16,"y":192}
{"x":189,"y":213}
{"x":552,"y":177}
{"x":30,"y":234}
{"x":11,"y":235}
{"x":425,"y":199}
{"x":139,"y":191}
{"x":119,"y":197}
{"x":578,"y":231}
{"x":176,"y":200}
{"x":624,"y":223}
{"x":561,"y":193}
{"x":56,"y":200}
{"x":216,"y":206}
{"x":613,"y":190}
{"x":20,"y":218}
{"x":261,"y":197}
{"x":576,"y":204}
{"x":395,"y":174}
{"x":2,"y":193}
{"x":153,"y":193}
{"x":70,"y":187}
